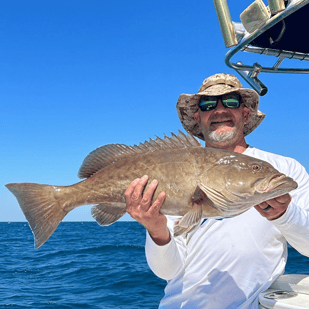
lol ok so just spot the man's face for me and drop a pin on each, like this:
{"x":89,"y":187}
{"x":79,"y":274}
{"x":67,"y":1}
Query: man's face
{"x":222,"y":126}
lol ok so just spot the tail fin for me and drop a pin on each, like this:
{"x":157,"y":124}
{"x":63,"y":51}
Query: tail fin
{"x":40,"y":207}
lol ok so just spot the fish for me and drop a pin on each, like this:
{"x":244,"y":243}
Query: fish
{"x":199,"y":182}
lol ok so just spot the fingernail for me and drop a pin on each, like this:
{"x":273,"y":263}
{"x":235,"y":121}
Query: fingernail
{"x":144,"y":177}
{"x":155,"y":181}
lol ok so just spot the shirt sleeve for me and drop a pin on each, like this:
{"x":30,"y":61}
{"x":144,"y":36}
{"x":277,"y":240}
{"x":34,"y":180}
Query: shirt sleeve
{"x":294,"y":224}
{"x":168,"y":260}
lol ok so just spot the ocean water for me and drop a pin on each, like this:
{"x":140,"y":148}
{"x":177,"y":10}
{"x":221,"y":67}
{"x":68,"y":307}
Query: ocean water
{"x":84,"y":266}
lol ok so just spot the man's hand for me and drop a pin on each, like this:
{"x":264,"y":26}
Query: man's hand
{"x":141,"y":208}
{"x":274,"y":208}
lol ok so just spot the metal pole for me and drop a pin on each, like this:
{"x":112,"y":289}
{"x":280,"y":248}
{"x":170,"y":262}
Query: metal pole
{"x":251,"y":77}
{"x":226,"y":24}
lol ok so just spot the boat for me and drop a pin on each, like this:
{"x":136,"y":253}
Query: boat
{"x":288,"y":291}
{"x":273,"y":31}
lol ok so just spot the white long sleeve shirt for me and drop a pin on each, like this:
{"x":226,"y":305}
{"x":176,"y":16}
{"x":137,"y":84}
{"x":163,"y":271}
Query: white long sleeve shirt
{"x":227,"y":263}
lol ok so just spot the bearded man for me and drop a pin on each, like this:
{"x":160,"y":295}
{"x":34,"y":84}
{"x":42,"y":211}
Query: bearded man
{"x":223,"y":263}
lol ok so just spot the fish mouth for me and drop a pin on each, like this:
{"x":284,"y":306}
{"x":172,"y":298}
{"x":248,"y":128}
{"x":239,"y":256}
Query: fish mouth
{"x":279,"y":181}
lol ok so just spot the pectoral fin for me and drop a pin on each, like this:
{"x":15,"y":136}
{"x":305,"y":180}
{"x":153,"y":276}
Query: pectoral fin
{"x":202,"y":207}
{"x":209,"y":208}
{"x":189,"y":221}
{"x":179,"y":230}
{"x":218,"y":205}
{"x":218,"y":201}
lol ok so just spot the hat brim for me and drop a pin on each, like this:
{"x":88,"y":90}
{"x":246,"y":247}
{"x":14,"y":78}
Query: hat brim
{"x":187,"y":106}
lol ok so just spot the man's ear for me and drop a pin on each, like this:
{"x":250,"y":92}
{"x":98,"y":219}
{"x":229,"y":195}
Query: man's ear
{"x":196,"y":117}
{"x":246,"y":114}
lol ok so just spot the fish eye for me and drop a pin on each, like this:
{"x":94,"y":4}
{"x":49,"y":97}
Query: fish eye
{"x":255,"y":167}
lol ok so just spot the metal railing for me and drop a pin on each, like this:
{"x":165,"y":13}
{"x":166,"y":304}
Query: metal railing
{"x":250,"y":72}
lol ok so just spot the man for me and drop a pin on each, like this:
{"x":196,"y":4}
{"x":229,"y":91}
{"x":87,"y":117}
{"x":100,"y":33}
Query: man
{"x":224,"y":263}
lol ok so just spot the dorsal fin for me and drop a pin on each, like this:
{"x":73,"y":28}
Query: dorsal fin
{"x":111,"y":153}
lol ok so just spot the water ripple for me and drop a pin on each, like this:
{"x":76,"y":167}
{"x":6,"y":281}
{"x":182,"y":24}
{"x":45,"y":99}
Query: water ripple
{"x":84,"y":266}
{"x":81,"y":266}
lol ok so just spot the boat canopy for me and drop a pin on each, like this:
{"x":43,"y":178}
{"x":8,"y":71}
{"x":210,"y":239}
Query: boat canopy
{"x":277,"y":30}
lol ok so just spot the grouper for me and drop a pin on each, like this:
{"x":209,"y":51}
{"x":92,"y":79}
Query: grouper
{"x":199,"y":182}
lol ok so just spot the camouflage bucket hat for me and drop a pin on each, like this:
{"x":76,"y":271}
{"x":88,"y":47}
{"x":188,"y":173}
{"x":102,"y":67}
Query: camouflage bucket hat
{"x":217,"y":85}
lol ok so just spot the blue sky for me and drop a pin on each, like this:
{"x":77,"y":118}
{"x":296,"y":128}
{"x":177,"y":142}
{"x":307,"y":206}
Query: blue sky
{"x":75,"y":75}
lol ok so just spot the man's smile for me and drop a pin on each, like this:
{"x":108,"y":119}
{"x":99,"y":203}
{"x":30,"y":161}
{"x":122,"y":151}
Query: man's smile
{"x":221,"y":123}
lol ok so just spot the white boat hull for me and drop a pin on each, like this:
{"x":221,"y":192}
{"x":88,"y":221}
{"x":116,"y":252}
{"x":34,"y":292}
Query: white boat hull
{"x":288,"y":291}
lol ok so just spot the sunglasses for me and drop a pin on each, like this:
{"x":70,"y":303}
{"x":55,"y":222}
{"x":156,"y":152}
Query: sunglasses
{"x":209,"y":103}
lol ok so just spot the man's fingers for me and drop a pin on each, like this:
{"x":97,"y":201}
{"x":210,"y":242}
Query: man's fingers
{"x":263,"y":205}
{"x":129,"y":191}
{"x":137,"y":193}
{"x":280,"y":201}
{"x":260,"y":209}
{"x":135,"y":199}
{"x":131,"y":187}
{"x":264,"y":209}
{"x":269,"y":212}
{"x":155,"y":207}
{"x":286,"y":198}
{"x":273,"y":203}
{"x":274,"y":208}
{"x":148,"y":195}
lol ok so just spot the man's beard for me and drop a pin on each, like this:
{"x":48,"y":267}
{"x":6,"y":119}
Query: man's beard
{"x":223,"y":136}
{"x":219,"y":137}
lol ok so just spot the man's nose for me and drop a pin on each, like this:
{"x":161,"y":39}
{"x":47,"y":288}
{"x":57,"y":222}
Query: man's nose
{"x":220,"y":106}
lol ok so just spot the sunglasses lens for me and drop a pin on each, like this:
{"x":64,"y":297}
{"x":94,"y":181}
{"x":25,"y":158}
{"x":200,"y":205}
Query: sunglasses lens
{"x":207,"y":104}
{"x":231,"y":101}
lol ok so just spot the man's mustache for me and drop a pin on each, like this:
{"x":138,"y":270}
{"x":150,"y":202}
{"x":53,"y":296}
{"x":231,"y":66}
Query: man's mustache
{"x":224,"y":115}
